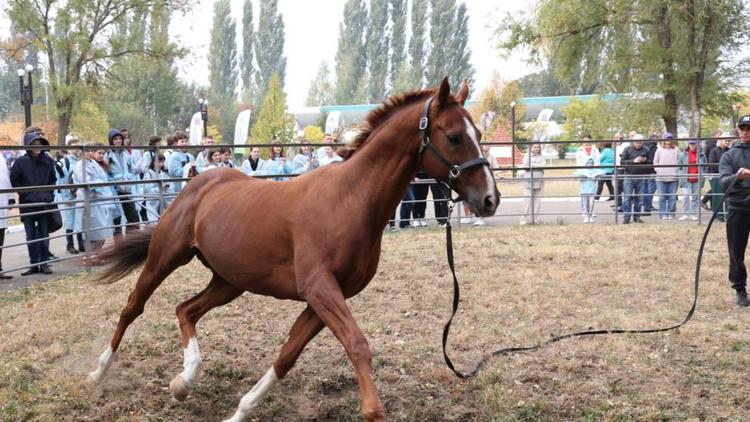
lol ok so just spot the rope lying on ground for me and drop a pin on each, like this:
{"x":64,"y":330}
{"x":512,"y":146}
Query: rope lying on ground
{"x":510,"y":350}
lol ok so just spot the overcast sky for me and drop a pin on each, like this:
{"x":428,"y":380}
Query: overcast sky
{"x":312,"y":30}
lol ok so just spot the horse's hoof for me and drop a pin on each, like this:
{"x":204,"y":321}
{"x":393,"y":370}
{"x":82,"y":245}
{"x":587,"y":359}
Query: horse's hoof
{"x":179,"y":388}
{"x":93,"y":378}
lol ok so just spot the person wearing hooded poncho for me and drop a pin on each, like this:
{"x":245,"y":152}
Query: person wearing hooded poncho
{"x":104,"y":209}
{"x":121,"y":170}
{"x":35,"y":168}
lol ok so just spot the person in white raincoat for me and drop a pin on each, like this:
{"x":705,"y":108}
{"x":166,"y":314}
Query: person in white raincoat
{"x":154,"y":207}
{"x":4,"y":200}
{"x":103,"y":199}
{"x":69,"y":213}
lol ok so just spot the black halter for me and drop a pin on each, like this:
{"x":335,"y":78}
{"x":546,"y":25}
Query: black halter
{"x":453,"y":170}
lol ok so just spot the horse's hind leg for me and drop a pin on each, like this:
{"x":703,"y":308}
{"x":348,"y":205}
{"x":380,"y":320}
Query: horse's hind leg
{"x":153,"y":274}
{"x":217,"y":293}
{"x":307,"y":326}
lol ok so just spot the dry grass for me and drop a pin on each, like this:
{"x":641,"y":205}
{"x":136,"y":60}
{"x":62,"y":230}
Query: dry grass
{"x":519,"y":285}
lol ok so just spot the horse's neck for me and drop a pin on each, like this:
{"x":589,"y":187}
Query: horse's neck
{"x":386,"y":165}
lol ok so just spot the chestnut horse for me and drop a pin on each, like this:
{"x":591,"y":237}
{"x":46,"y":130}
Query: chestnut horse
{"x":266,"y":237}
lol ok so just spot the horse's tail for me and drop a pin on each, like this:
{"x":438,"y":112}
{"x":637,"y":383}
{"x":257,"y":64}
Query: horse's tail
{"x":124,"y":256}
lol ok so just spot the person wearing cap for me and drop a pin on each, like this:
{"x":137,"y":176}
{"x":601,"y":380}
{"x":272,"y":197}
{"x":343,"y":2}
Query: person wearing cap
{"x":734,"y":174}
{"x":690,"y":179}
{"x":35,"y":168}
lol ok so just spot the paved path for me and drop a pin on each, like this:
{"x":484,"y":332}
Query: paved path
{"x":554,"y":211}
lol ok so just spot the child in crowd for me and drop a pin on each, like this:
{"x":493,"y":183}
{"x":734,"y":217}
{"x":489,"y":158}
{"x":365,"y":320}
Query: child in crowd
{"x":155,"y":206}
{"x":226,"y":158}
{"x":588,"y":179}
{"x":213,"y":160}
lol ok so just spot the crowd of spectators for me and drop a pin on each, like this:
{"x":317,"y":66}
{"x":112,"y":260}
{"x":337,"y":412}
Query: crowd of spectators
{"x":117,"y":205}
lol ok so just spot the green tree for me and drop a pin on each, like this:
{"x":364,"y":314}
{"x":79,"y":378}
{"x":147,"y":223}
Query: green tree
{"x":398,"y":43}
{"x":274,"y":121}
{"x":222,"y":67}
{"x":77,"y":35}
{"x":378,"y":40}
{"x":90,"y":121}
{"x":351,"y":53}
{"x":417,"y":44}
{"x":269,"y":47}
{"x":678,"y":50}
{"x":459,"y":62}
{"x":247,"y":68}
{"x":493,"y":106}
{"x":321,"y":90}
{"x":313,"y":133}
{"x":442,"y":28}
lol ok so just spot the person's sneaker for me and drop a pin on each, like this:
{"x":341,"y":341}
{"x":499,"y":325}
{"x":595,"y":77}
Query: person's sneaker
{"x":72,"y":250}
{"x":466,"y":220}
{"x":638,"y":220}
{"x":4,"y":276}
{"x":626,"y":221}
{"x":523,"y":223}
{"x":693,"y":218}
{"x":32,"y":270}
{"x":45,"y":269}
{"x":51,"y":256}
{"x":480,"y":222}
{"x":683,"y":218}
{"x":442,"y":225}
{"x":742,"y":299}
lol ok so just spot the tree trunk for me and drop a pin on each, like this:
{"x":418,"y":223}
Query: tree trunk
{"x":64,"y":115}
{"x":669,"y":94}
{"x":695,"y":109}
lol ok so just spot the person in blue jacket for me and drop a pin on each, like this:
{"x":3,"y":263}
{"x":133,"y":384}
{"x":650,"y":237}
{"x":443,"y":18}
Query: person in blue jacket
{"x":69,"y":212}
{"x":276,"y":163}
{"x":121,"y":169}
{"x":35,"y":168}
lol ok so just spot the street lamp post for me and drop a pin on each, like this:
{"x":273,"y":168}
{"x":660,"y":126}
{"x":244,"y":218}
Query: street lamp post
{"x":204,"y":115}
{"x":26,"y":92}
{"x":513,"y":136}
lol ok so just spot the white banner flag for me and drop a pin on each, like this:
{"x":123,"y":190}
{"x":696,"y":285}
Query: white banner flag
{"x":196,"y":129}
{"x":242,"y":127}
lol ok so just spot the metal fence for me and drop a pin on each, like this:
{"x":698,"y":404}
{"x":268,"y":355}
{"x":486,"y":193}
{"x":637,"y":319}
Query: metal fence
{"x":509,"y":173}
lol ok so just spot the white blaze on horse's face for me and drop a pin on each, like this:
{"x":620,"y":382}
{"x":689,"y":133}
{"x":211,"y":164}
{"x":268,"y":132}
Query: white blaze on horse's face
{"x":471,"y":132}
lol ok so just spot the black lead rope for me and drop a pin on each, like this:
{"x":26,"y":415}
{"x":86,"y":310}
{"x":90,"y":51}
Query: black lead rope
{"x":509,"y":350}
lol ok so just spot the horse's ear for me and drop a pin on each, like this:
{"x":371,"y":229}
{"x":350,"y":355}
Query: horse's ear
{"x":463,"y":93}
{"x":444,"y":92}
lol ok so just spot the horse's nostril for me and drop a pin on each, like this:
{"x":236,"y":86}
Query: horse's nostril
{"x":489,"y":202}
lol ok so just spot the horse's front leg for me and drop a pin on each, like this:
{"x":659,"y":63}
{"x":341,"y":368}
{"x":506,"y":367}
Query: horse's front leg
{"x":325,"y":297}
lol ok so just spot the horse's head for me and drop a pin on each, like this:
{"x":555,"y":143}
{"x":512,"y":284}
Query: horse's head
{"x":451,"y":152}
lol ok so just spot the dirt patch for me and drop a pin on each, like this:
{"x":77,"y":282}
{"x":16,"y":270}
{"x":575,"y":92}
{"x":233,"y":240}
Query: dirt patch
{"x":519,"y":285}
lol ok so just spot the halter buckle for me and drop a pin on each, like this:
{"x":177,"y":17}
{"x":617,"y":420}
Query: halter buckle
{"x":454,"y":172}
{"x":423,"y":123}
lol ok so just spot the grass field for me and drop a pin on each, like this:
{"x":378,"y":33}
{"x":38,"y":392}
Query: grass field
{"x":520,"y":285}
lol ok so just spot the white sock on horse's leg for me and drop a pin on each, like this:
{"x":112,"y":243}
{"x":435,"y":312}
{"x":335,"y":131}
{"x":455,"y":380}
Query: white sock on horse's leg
{"x":181,"y":384}
{"x":105,"y":359}
{"x":250,"y":400}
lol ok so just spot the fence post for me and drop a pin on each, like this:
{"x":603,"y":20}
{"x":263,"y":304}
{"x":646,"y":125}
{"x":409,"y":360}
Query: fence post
{"x":700,"y":186}
{"x":616,"y":184}
{"x":531,"y":172}
{"x":86,"y":202}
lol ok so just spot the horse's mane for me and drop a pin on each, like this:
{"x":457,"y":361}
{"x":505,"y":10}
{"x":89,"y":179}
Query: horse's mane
{"x":378,"y":116}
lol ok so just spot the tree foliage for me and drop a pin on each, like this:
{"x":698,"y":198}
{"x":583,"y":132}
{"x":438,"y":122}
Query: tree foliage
{"x":351,"y":53}
{"x":398,"y":43}
{"x":321,"y":90}
{"x":269,"y":47}
{"x":313,"y":133}
{"x":222,"y":66}
{"x":681,"y":51}
{"x":80,"y":40}
{"x":247,"y":65}
{"x":417,"y":43}
{"x":493,"y":106}
{"x":378,"y":41}
{"x":274,"y":121}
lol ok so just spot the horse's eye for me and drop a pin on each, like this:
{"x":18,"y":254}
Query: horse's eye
{"x":454,"y":139}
